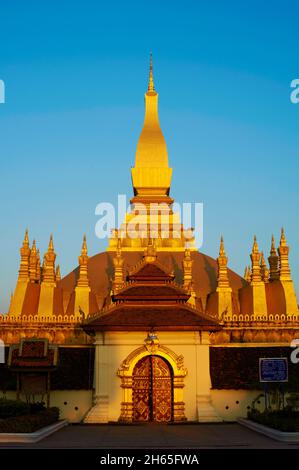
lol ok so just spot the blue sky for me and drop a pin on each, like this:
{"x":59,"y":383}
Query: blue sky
{"x":75,"y":74}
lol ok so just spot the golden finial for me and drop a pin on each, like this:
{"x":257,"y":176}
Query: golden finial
{"x":33,"y":249}
{"x":255,"y":248}
{"x":187,"y":254}
{"x":264,"y":269}
{"x":57,"y":274}
{"x":247,"y":274}
{"x":221,"y":249}
{"x":26,"y":238}
{"x":283,"y":241}
{"x":150,"y":252}
{"x":151,"y":86}
{"x":84,"y":246}
{"x":51,"y":246}
{"x":273,"y":249}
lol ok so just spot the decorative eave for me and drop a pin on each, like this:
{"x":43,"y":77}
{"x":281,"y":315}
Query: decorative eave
{"x":138,"y":272}
{"x":125,"y":316}
{"x":148,"y":290}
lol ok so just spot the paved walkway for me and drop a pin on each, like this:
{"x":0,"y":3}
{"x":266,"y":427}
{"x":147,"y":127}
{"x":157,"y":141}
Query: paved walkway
{"x":154,"y":436}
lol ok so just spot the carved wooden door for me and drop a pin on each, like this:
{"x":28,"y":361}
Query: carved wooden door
{"x":161,"y":390}
{"x":152,"y":390}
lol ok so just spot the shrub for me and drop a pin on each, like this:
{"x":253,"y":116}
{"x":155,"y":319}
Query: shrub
{"x":31,"y":422}
{"x":13,"y":408}
{"x":285,"y":420}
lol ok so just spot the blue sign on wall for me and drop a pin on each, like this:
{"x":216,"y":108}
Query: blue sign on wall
{"x":273,"y":369}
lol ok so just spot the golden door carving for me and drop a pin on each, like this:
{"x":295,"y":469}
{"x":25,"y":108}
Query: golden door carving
{"x":152,"y":390}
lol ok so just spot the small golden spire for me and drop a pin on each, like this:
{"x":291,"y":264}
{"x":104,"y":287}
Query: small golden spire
{"x":273,"y":261}
{"x":264,"y":269}
{"x":151,"y":86}
{"x":255,"y":248}
{"x":38,"y":267}
{"x":283,"y":252}
{"x":273,"y":249}
{"x":26,"y":238}
{"x":25,"y":254}
{"x":187,"y":269}
{"x":83,"y":266}
{"x":118,"y":262}
{"x":221,"y":249}
{"x":33,"y":249}
{"x":222,"y":279}
{"x":33,"y":263}
{"x":49,"y":263}
{"x":255,"y":263}
{"x":84,"y":247}
{"x":51,"y":245}
{"x":283,"y":241}
{"x":247,"y":274}
{"x":57,"y":274}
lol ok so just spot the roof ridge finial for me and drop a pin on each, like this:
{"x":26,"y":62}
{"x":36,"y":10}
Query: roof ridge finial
{"x":151,"y":86}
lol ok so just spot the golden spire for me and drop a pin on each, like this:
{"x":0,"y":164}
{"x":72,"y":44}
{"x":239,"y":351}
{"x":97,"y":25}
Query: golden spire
{"x":187,"y":269}
{"x":118,"y":262}
{"x":57,"y":274}
{"x":247,"y":274}
{"x":84,"y":247}
{"x":33,"y":263}
{"x":221,"y":249}
{"x":24,"y":264}
{"x":255,"y":262}
{"x":49,"y":263}
{"x":273,"y":249}
{"x":222,"y":280}
{"x":151,"y":174}
{"x":83,"y":263}
{"x":273,"y":262}
{"x":51,"y":246}
{"x":151,"y":86}
{"x":264,"y":269}
{"x":283,"y":252}
{"x":38,"y":267}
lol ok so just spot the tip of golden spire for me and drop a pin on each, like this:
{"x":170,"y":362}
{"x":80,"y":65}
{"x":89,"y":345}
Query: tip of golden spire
{"x":33,"y":249}
{"x":51,"y":245}
{"x":255,"y":247}
{"x":84,"y":246}
{"x":273,"y":249}
{"x":26,"y":238}
{"x":57,"y":273}
{"x":221,"y":249}
{"x":263,"y":262}
{"x":151,"y":86}
{"x":282,"y":237}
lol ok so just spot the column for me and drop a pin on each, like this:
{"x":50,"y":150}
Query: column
{"x":205,"y":410}
{"x":99,"y":411}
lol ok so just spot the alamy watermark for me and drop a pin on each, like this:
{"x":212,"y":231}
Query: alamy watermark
{"x":2,"y":92}
{"x":294,"y":96}
{"x":154,"y":220}
{"x":295,"y":353}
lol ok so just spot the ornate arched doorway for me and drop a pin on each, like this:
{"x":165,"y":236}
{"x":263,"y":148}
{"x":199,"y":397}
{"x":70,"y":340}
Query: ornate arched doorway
{"x":178,"y":373}
{"x":152,"y":390}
